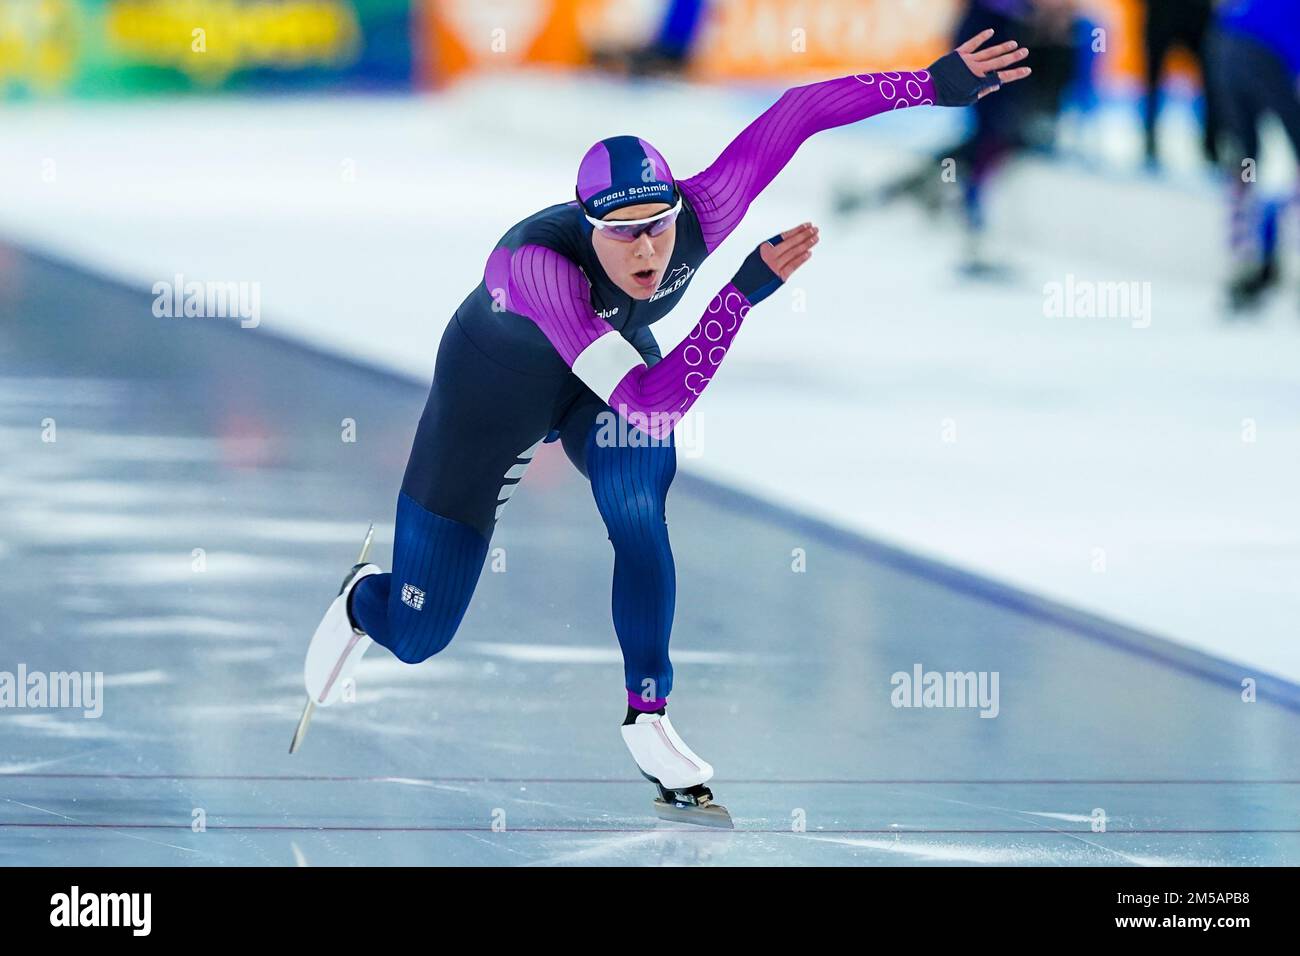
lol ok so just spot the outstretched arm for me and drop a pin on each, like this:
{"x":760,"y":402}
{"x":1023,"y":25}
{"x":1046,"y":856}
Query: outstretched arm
{"x":553,"y":292}
{"x":721,"y":194}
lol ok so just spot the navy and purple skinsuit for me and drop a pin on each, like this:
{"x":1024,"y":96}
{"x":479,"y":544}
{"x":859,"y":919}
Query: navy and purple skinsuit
{"x":504,"y":384}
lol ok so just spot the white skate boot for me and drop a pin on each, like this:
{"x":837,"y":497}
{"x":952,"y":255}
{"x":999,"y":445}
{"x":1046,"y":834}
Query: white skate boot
{"x":336,"y":648}
{"x":678,"y":772}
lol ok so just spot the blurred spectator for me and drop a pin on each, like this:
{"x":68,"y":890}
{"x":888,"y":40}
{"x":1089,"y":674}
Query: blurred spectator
{"x":1255,"y":53}
{"x":1019,"y":118}
{"x":668,"y":53}
{"x":1186,"y":23}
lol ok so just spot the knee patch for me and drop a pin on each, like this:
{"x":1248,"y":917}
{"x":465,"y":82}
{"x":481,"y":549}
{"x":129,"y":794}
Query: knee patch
{"x":416,"y":610}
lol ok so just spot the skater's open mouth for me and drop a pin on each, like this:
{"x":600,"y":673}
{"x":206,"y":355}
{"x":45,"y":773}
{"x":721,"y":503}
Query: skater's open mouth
{"x":646,"y":278}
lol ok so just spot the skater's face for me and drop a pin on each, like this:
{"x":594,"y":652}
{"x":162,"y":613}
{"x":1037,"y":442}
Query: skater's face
{"x":637,"y":266}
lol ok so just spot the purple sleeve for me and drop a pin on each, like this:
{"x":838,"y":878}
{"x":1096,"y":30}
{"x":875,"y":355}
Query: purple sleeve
{"x":721,"y":194}
{"x":655,"y":399}
{"x":552,"y":291}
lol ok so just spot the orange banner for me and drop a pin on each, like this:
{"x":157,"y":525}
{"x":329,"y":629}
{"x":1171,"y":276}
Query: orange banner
{"x":761,"y":40}
{"x":461,"y":35}
{"x":765,"y":39}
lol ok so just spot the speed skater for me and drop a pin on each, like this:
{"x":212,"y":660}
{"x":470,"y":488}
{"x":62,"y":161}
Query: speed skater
{"x":554,"y":342}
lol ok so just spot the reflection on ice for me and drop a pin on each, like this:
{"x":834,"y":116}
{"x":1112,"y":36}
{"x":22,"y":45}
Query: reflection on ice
{"x":609,"y":653}
{"x":172,"y":625}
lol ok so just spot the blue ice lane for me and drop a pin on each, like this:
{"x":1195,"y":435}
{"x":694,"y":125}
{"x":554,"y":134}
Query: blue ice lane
{"x":177,"y":435}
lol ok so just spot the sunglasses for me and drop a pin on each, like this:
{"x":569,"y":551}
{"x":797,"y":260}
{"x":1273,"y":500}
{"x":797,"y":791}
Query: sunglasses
{"x":629,"y":230}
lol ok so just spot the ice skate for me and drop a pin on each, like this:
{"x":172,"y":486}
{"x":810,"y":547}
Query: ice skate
{"x":1249,"y":284}
{"x":976,"y":261}
{"x":336,"y":648}
{"x":680,"y":774}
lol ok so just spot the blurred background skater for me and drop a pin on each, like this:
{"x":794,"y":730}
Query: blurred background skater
{"x":1256,"y":66}
{"x":1023,"y":118}
{"x":1171,"y":23}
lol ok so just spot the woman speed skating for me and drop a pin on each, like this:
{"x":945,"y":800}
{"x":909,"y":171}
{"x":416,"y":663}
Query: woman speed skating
{"x":554,"y":343}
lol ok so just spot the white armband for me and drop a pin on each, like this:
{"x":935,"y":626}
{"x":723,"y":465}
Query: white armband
{"x":604,"y":363}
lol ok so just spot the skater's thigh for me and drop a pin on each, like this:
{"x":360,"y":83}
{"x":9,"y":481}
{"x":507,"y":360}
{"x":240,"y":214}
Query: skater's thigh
{"x":477,"y":434}
{"x":634,"y":464}
{"x":577,"y":424}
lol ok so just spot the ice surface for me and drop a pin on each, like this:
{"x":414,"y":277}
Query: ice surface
{"x":1081,"y":444}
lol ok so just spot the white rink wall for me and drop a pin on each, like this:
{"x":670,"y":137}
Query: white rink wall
{"x":1095,"y":461}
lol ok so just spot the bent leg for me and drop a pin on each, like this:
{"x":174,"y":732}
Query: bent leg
{"x":416,"y":609}
{"x":479,"y":431}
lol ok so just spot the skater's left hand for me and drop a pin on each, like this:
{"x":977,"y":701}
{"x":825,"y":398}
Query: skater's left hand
{"x":774,"y":261}
{"x":970,"y":73}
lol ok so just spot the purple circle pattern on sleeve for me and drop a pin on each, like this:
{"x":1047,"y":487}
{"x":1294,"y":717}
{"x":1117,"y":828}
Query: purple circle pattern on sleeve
{"x":720,"y":194}
{"x":706,"y":349}
{"x":655,"y":399}
{"x":900,"y":89}
{"x":554,"y":292}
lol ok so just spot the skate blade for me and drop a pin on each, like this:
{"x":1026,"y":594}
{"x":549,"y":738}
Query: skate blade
{"x":303,"y":722}
{"x":365,"y":545}
{"x":714,"y":815}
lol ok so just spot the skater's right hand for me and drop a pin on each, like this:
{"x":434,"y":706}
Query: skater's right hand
{"x":774,"y":261}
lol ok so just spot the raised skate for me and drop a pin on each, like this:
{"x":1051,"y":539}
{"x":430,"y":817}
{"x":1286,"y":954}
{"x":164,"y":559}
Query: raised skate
{"x":336,"y":648}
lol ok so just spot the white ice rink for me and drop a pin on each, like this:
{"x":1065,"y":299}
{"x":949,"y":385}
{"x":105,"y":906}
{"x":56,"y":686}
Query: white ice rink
{"x":1095,"y":461}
